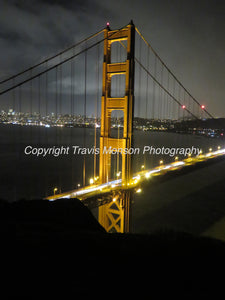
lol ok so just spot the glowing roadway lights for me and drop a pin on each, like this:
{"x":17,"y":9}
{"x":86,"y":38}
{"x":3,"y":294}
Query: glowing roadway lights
{"x":147,"y":175}
{"x":97,"y":189}
{"x":55,"y":190}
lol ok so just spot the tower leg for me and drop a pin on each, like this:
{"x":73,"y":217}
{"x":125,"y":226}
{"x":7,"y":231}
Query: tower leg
{"x":115,"y":216}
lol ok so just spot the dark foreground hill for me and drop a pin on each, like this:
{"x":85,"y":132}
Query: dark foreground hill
{"x":51,"y":249}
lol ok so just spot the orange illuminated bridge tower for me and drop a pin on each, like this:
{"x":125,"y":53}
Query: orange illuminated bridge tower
{"x":115,"y":216}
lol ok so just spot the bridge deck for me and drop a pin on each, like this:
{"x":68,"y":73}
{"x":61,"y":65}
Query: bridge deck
{"x":116,"y":185}
{"x":191,"y":201}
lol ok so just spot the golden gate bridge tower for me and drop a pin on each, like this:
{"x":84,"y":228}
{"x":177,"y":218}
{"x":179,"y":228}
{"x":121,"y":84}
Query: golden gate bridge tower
{"x":115,"y":216}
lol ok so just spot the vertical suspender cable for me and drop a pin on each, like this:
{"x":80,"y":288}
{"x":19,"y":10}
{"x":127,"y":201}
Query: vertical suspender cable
{"x":96,"y":109}
{"x":45,"y":121}
{"x":56,"y":120}
{"x":167,"y":98}
{"x":15,"y":141}
{"x":146,"y":99}
{"x":39,"y":125}
{"x":161,"y":96}
{"x":71,"y":117}
{"x":139,"y":90}
{"x":60,"y":120}
{"x":154,"y":89}
{"x":31,"y":186}
{"x":85,"y":103}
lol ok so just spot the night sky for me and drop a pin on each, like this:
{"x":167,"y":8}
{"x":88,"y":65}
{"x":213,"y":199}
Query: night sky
{"x":188,"y":35}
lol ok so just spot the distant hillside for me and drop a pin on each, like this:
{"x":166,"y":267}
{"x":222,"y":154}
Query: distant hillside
{"x":207,"y":123}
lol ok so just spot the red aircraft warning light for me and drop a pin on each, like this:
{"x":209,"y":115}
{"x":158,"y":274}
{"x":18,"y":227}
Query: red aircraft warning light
{"x":202,"y":106}
{"x":183,"y":106}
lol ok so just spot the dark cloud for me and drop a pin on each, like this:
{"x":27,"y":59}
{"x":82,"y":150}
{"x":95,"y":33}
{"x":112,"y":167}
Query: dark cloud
{"x":188,"y":35}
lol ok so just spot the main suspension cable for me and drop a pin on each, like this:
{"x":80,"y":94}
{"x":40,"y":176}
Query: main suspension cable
{"x":58,"y":64}
{"x":155,"y":53}
{"x":162,"y":87}
{"x":52,"y":57}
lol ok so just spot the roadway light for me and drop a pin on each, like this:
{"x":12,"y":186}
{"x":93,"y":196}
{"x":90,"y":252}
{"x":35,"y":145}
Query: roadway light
{"x":91,"y":181}
{"x":147,"y":175}
{"x":218,"y":147}
{"x":78,"y":185}
{"x":143,"y":166}
{"x":176,"y":158}
{"x":210,"y":149}
{"x":161,"y":162}
{"x":55,"y":190}
{"x":139,"y":190}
